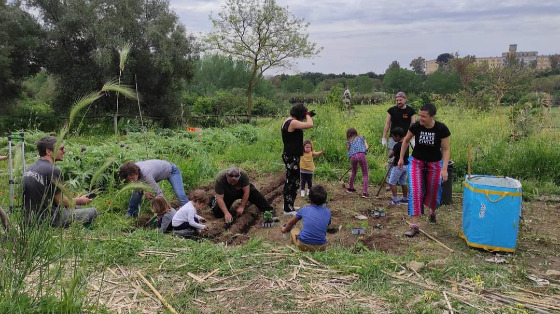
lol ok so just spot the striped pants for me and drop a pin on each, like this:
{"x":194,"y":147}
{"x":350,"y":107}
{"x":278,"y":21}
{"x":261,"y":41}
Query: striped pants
{"x":424,"y":182}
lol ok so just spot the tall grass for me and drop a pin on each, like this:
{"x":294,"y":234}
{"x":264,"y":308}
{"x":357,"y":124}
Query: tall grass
{"x":534,"y":158}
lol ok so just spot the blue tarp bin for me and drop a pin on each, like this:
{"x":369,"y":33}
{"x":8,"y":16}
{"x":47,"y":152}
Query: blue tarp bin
{"x":491,"y":212}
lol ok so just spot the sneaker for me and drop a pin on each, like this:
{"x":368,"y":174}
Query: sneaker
{"x":411,"y":232}
{"x":350,"y":190}
{"x":394,"y":203}
{"x":432,"y":218}
{"x":366,"y":195}
{"x":275,"y":217}
{"x":302,"y":193}
{"x":292,"y":213}
{"x":404,"y":200}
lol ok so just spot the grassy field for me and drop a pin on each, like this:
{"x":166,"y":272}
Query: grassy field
{"x":102,"y":269}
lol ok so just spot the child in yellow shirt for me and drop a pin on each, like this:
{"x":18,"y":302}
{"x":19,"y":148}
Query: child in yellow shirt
{"x":306,"y":166}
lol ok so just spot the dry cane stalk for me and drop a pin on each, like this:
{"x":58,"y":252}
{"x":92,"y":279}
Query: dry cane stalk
{"x":158,"y":295}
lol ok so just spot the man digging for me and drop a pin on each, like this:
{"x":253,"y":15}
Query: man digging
{"x":233,"y":184}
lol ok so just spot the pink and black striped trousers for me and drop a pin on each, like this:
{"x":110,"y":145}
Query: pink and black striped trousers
{"x":424,"y":182}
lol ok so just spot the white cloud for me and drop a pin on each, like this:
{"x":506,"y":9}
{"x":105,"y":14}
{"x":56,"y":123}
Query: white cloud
{"x":365,"y":35}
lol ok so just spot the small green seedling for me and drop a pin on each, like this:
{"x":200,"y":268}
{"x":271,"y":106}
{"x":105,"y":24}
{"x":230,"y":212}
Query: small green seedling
{"x":267,"y":220}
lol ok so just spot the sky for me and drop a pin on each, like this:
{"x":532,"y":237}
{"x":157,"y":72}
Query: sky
{"x":360,"y":36}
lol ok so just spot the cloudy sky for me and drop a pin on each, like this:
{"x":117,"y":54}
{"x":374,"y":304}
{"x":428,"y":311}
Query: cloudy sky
{"x":359,"y":36}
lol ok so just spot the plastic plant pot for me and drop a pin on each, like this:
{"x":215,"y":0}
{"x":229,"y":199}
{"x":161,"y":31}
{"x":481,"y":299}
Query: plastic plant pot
{"x":358,"y":231}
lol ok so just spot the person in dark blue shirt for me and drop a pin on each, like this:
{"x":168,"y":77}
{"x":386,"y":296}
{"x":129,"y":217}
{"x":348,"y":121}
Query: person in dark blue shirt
{"x":316,"y":218}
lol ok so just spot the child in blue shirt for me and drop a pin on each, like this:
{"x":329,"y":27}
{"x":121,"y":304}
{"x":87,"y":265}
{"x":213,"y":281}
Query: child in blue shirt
{"x":316,"y":218}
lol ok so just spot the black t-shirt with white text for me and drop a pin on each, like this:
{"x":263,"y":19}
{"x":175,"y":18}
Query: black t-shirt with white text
{"x":428,"y":141}
{"x":401,"y":117}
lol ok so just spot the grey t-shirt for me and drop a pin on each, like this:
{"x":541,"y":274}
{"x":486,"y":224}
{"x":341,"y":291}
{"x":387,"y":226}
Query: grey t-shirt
{"x":222,"y":187}
{"x":153,"y":171}
{"x":39,"y":188}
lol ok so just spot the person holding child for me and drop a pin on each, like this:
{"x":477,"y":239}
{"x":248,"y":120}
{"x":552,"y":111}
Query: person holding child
{"x":426,"y":170}
{"x":316,"y":219}
{"x":307,"y":166}
{"x":292,"y":137}
{"x":357,"y":150}
{"x":398,"y":175}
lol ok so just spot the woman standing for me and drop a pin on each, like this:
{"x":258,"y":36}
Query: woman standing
{"x":292,"y":137}
{"x":426,"y":170}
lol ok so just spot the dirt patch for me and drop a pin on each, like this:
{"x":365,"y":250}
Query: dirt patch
{"x":537,"y":233}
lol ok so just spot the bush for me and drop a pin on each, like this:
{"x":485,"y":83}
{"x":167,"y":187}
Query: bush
{"x":31,"y":114}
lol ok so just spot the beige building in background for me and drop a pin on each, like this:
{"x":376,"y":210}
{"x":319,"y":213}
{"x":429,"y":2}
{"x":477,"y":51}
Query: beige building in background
{"x":526,"y":57}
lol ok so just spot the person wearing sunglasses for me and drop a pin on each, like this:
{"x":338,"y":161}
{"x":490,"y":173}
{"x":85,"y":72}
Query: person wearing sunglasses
{"x":233,"y":184}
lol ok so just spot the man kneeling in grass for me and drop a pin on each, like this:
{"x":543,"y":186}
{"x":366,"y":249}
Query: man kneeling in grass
{"x":316,"y":219}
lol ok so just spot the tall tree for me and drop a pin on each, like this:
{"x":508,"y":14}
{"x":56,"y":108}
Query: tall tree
{"x":404,"y":80}
{"x":554,"y":63}
{"x":20,"y":41}
{"x":84,"y":37}
{"x":394,"y":65}
{"x":418,"y":65}
{"x":263,"y":34}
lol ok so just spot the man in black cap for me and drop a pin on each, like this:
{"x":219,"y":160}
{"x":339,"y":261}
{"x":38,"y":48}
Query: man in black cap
{"x":233,"y":184}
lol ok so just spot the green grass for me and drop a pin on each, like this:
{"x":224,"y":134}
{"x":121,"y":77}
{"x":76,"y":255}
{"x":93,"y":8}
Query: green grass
{"x":64,"y":258}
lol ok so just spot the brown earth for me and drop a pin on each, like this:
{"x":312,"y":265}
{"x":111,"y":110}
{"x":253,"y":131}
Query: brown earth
{"x":538,"y":235}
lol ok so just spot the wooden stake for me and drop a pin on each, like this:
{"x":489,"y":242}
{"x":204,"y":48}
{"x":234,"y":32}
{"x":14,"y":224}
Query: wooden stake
{"x":447,"y":301}
{"x":210,"y":274}
{"x":469,"y":156}
{"x":158,"y":295}
{"x":433,"y":239}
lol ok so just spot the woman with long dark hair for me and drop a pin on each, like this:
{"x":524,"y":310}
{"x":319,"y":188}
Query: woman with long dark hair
{"x":292,"y":137}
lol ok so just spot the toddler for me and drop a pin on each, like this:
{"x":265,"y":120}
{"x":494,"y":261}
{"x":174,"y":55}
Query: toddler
{"x":306,"y":166}
{"x":186,"y":217}
{"x":164,"y":212}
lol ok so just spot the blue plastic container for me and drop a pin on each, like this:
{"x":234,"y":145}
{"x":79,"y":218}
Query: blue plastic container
{"x":491,"y":212}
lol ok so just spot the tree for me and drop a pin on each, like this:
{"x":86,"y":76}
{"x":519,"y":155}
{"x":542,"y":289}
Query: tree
{"x":83,"y":40}
{"x":442,"y":83}
{"x":418,"y":65}
{"x":444,"y":58}
{"x":394,"y":65}
{"x":261,"y":33}
{"x":554,"y":63}
{"x":20,"y":42}
{"x":401,"y":80}
{"x":362,"y":84}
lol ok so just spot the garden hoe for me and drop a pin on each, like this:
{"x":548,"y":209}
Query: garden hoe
{"x":383,"y":182}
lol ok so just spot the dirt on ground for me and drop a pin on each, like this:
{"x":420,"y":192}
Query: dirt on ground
{"x":537,"y":233}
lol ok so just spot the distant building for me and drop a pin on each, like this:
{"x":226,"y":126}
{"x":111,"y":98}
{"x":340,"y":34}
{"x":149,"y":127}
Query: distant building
{"x":525,"y":57}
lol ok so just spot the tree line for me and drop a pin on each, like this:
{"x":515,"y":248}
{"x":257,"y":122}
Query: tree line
{"x":67,"y":49}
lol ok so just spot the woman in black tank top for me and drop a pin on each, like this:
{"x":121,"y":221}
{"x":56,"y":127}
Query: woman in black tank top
{"x":292,"y":137}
